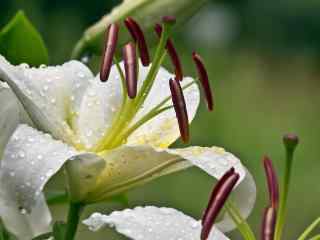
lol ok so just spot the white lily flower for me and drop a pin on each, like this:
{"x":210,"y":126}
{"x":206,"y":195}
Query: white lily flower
{"x":152,"y":222}
{"x":76,"y":117}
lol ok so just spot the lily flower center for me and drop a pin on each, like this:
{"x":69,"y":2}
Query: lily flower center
{"x":125,"y":122}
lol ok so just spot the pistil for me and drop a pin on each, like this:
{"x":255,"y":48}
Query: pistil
{"x":290,"y":142}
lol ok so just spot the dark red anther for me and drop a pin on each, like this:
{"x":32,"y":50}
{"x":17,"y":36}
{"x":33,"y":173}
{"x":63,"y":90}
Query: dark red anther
{"x":172,"y":53}
{"x":217,"y":200}
{"x":272,"y":182}
{"x":204,"y":79}
{"x":130,"y":67}
{"x":109,"y":49}
{"x":268,"y":223}
{"x":180,"y":108}
{"x":137,"y":34}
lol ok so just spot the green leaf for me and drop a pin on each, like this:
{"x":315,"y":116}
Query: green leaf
{"x":146,"y":12}
{"x":4,"y":234}
{"x":21,"y":43}
{"x":59,"y":230}
{"x":56,"y":197}
{"x":44,"y":236}
{"x":122,"y":199}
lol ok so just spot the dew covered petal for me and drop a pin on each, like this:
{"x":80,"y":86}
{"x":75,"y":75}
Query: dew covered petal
{"x":152,"y":222}
{"x":97,"y":108}
{"x":30,"y":159}
{"x":46,"y":92}
{"x":12,"y":114}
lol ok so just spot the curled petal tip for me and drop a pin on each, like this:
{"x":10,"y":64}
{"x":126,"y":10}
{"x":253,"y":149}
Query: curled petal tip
{"x":109,"y":50}
{"x":180,"y":108}
{"x":217,"y":200}
{"x":268,"y":223}
{"x":272,"y":182}
{"x":130,"y":67}
{"x":137,"y":34}
{"x":204,"y":80}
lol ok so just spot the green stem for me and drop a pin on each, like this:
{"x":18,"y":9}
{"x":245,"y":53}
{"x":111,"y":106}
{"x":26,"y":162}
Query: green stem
{"x":242,"y":225}
{"x":284,"y":196}
{"x":317,"y":237}
{"x":309,"y":229}
{"x":74,"y":213}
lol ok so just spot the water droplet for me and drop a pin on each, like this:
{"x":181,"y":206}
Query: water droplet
{"x":53,"y":100}
{"x":23,"y":210}
{"x":81,"y":75}
{"x":12,"y":174}
{"x":40,"y":157}
{"x":22,"y":154}
{"x":45,"y":88}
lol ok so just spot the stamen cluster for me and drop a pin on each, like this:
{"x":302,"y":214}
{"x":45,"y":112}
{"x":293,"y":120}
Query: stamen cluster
{"x":131,"y":66}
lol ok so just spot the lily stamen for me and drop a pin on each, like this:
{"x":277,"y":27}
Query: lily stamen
{"x":272,"y":182}
{"x":180,"y":109}
{"x":109,"y":50}
{"x":172,"y":53}
{"x":268,"y":223}
{"x":217,"y":200}
{"x":204,"y":79}
{"x":130,"y":66}
{"x":138,"y":36}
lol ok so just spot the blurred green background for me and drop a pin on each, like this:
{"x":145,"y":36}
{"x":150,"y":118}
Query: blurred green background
{"x":263,"y":59}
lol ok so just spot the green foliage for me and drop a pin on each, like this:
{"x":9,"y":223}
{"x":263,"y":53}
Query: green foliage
{"x":59,"y":230}
{"x":146,"y":12}
{"x":4,"y":234}
{"x":21,"y":43}
{"x":44,"y":236}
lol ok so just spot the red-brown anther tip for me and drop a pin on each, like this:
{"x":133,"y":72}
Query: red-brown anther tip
{"x":204,"y":79}
{"x":180,"y":108}
{"x":169,"y":19}
{"x":272,"y":182}
{"x":130,"y":67}
{"x":109,"y":49}
{"x":217,"y":200}
{"x":172,"y":53}
{"x":268,"y":223}
{"x":137,"y":34}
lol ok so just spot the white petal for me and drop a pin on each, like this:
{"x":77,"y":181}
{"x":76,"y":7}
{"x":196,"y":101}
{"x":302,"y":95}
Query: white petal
{"x":142,"y":223}
{"x":163,"y":130}
{"x":9,"y":112}
{"x":216,"y":161}
{"x":124,"y":168}
{"x":97,"y":108}
{"x":102,"y":101}
{"x":30,"y":159}
{"x":47,"y":92}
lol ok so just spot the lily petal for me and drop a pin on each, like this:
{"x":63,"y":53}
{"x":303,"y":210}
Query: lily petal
{"x":102,"y":100}
{"x":97,"y":108}
{"x":30,"y":159}
{"x":152,"y":223}
{"x":47,"y":92}
{"x":11,"y":114}
{"x":163,"y":130}
{"x":130,"y":166}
